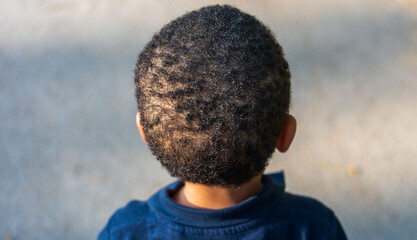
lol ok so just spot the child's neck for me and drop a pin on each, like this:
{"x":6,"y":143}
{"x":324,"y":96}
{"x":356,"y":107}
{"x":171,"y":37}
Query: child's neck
{"x":212,"y":197}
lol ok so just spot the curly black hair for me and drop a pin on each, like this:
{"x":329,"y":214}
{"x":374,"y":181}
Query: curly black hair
{"x":213,"y":90}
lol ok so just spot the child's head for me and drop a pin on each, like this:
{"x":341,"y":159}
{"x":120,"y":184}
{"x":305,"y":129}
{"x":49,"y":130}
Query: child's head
{"x":213,"y":92}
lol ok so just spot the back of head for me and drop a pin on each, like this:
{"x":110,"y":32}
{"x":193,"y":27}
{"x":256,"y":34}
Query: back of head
{"x":213,"y":89}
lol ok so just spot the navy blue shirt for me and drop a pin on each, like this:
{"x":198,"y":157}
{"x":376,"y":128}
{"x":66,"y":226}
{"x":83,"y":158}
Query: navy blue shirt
{"x":271,"y":214}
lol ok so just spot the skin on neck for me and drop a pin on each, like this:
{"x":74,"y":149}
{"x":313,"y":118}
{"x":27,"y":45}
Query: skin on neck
{"x":213,"y":197}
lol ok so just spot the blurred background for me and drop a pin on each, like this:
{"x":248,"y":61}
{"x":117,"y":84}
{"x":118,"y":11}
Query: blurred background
{"x":70,"y":153}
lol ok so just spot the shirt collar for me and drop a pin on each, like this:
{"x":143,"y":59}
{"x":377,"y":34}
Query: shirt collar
{"x":245,"y":211}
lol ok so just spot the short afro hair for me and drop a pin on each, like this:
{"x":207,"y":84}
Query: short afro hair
{"x":213,"y":90}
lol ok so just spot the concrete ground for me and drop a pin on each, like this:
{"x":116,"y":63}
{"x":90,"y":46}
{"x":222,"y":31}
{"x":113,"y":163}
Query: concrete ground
{"x":70,"y":153}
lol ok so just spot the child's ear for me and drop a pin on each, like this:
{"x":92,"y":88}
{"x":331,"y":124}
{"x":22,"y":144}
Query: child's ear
{"x":287,"y":134}
{"x":140,"y":128}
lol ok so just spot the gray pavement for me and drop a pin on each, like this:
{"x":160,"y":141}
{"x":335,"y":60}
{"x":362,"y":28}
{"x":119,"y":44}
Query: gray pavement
{"x":70,"y":153}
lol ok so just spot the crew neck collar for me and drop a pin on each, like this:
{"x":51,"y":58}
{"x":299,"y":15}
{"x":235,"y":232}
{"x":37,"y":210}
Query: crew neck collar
{"x":164,"y":206}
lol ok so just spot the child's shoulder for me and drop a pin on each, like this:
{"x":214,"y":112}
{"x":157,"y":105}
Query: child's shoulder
{"x":303,"y":213}
{"x":299,"y":205}
{"x":132,"y":212}
{"x":126,"y":218}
